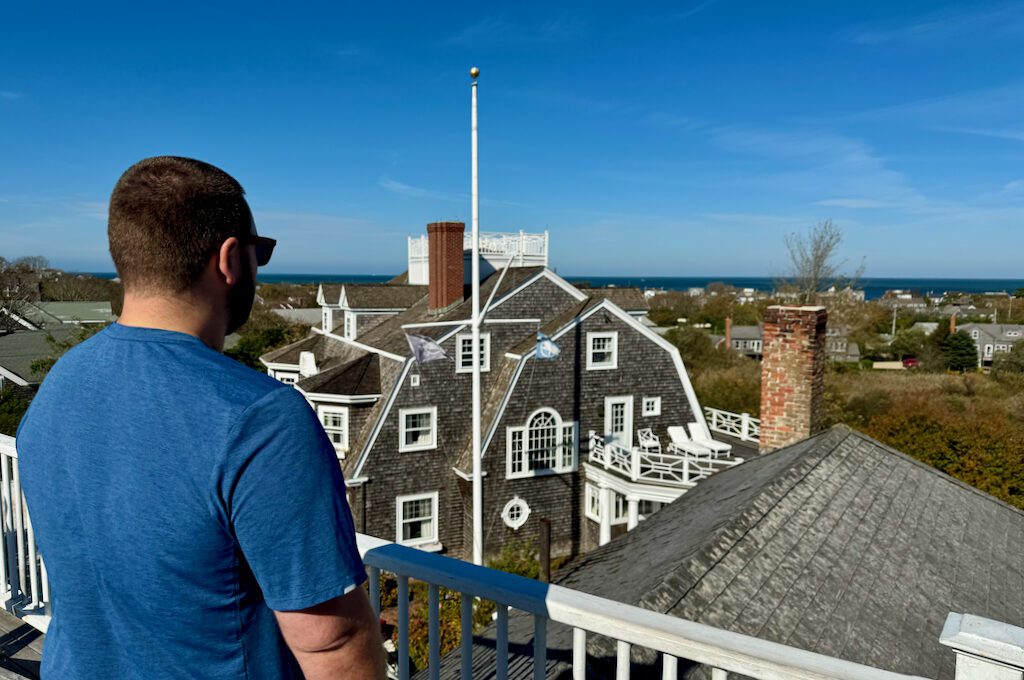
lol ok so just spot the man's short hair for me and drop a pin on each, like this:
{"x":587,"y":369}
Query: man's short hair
{"x":168,"y":215}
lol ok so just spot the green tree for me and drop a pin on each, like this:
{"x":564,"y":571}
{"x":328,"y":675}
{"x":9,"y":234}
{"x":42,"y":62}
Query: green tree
{"x":908,"y":343}
{"x":12,"y":408}
{"x":263,"y":332}
{"x":1011,"y":362}
{"x":961,"y":354}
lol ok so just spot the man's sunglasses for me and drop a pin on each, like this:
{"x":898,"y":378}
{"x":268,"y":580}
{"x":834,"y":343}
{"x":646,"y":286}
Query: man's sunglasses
{"x":264,"y":248}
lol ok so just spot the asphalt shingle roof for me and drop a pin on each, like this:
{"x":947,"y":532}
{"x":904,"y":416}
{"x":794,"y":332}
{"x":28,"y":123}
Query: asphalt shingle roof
{"x":18,"y":350}
{"x":837,"y":544}
{"x":629,"y":299}
{"x":376,"y":295}
{"x":357,"y":377}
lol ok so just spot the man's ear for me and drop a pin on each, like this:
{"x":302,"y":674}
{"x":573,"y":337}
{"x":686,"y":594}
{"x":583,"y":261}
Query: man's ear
{"x":229,"y":260}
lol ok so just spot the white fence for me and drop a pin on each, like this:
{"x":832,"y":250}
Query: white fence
{"x":496,"y":250}
{"x":24,"y":587}
{"x":740,"y":425}
{"x":642,"y":465}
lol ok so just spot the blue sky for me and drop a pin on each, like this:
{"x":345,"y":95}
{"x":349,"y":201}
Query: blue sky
{"x":682,"y":138}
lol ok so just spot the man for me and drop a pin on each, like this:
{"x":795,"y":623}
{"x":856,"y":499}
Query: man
{"x":191,"y":511}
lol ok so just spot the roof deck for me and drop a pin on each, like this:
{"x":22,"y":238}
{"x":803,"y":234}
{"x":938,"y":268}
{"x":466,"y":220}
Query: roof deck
{"x":497,"y":249}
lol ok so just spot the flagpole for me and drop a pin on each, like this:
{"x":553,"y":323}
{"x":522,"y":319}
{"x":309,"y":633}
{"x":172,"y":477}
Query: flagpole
{"x":478,"y":491}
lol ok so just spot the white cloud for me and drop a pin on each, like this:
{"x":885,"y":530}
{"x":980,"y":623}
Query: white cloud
{"x":498,"y":30}
{"x":401,"y":189}
{"x":10,"y":96}
{"x":948,"y":25}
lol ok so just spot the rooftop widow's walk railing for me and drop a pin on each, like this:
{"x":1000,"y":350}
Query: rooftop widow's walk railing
{"x":743,"y":426}
{"x":985,"y":649}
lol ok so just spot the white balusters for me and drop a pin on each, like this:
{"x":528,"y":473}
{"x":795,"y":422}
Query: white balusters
{"x":621,"y":660}
{"x":579,"y":654}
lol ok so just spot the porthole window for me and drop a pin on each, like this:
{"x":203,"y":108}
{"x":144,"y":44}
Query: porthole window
{"x":515,"y":513}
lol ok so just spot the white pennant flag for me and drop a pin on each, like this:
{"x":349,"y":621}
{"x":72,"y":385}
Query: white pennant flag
{"x":425,"y":349}
{"x":546,"y":347}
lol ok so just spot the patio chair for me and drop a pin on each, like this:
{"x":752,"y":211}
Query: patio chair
{"x":682,"y":444}
{"x":700,"y":435}
{"x":648,"y":440}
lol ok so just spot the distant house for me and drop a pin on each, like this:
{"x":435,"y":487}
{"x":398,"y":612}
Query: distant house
{"x":19,"y":350}
{"x":47,"y":315}
{"x":926,"y":327}
{"x":993,"y":339}
{"x":402,"y":429}
{"x":747,"y":340}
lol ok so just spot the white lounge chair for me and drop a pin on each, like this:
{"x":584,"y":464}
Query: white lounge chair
{"x":700,"y":435}
{"x":648,"y":440}
{"x":682,"y":444}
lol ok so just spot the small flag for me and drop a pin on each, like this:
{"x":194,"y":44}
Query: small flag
{"x":546,"y":347}
{"x":425,"y":349}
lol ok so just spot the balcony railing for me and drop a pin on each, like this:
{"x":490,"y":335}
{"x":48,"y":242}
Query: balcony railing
{"x":641,"y":465}
{"x":740,"y":425}
{"x":985,"y":649}
{"x":496,"y":249}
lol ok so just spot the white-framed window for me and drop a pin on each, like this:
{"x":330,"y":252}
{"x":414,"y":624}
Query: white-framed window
{"x":350,"y":325}
{"x":545,"y":445}
{"x":335,"y":422}
{"x":464,"y":345}
{"x":287,"y":378}
{"x":648,"y":508}
{"x":620,"y":506}
{"x":988,"y":349}
{"x":325,"y":319}
{"x":515,"y":513}
{"x":416,"y":519}
{"x":974,"y":334}
{"x":1000,"y":348}
{"x":417,"y":429}
{"x":1013,"y":334}
{"x":652,"y":406}
{"x":602,"y":351}
{"x":414,"y":380}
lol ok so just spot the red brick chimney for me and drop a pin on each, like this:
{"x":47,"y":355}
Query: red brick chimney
{"x":792,"y":375}
{"x":728,"y":333}
{"x":446,"y":265}
{"x":952,"y":324}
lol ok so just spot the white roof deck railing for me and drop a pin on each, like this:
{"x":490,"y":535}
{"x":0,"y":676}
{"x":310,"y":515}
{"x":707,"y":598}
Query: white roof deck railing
{"x":494,"y":243}
{"x":642,"y":465}
{"x":743,"y":426}
{"x":27,"y":595}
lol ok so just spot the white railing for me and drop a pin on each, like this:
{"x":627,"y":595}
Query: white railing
{"x":642,"y":465}
{"x":629,"y":626}
{"x":740,"y":425}
{"x":24,"y":587}
{"x":496,"y":248}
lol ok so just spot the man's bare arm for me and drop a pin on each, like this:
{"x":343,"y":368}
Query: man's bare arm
{"x":339,"y":638}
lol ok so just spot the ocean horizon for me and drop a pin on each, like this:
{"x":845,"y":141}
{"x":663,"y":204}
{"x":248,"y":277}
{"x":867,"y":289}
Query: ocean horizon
{"x":873,"y":287}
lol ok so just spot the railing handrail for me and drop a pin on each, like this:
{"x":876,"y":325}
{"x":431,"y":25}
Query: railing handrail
{"x":7,"y":447}
{"x":729,"y":651}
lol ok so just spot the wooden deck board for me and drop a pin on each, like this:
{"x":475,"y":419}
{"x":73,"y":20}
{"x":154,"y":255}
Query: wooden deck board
{"x":21,"y":648}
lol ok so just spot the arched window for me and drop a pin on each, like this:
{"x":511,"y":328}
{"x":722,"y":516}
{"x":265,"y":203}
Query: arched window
{"x":544,"y":445}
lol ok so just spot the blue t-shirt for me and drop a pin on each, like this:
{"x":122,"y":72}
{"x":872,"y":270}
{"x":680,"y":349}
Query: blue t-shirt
{"x":178,"y":498}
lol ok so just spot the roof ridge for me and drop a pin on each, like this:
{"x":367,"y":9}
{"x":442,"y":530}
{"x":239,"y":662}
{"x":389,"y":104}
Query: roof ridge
{"x":934,"y":470}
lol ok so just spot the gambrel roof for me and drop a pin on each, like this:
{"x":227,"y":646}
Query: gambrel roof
{"x":837,"y":544}
{"x":630,"y":299}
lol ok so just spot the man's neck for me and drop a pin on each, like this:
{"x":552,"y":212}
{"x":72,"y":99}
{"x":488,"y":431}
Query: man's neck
{"x":191,"y":315}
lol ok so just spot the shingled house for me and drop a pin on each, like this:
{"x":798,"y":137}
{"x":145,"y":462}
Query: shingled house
{"x":830,"y":542}
{"x":403,"y":430}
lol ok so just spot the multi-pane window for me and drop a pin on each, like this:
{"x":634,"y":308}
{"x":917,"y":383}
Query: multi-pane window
{"x":652,"y":406}
{"x":288,"y":378}
{"x":464,"y":361}
{"x":350,"y":325}
{"x":335,"y":422}
{"x":418,"y":429}
{"x":602,"y":351}
{"x":416,"y":519}
{"x":544,"y":445}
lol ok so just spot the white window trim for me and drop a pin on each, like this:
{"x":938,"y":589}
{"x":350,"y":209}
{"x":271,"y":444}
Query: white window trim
{"x":414,"y":380}
{"x":350,"y":320}
{"x":485,"y":347}
{"x":427,"y":542}
{"x":279,"y":375}
{"x":591,"y":336}
{"x":402,"y":413}
{"x":321,"y":410}
{"x":655,"y":406}
{"x":506,"y":513}
{"x":559,"y":469}
{"x":593,"y":491}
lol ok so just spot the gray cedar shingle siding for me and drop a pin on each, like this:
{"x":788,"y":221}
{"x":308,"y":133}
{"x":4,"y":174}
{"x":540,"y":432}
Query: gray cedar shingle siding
{"x":374,"y":295}
{"x":836,"y":544}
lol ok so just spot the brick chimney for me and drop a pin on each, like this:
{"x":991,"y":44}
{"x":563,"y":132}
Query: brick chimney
{"x":952,"y":324}
{"x":792,"y":375}
{"x":446,"y":265}
{"x":728,"y":333}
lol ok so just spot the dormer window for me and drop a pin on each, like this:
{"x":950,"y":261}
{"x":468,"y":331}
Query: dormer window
{"x":602,"y":351}
{"x":464,"y":343}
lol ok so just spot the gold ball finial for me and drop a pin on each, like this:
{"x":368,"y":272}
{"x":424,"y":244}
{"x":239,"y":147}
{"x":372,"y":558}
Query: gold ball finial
{"x":474,"y":72}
